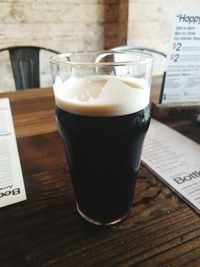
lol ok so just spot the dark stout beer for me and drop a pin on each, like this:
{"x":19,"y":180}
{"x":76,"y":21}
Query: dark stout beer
{"x":103,"y":145}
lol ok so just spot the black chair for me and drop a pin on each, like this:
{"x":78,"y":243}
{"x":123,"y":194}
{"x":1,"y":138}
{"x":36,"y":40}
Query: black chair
{"x":25,"y":65}
{"x":159,"y":57}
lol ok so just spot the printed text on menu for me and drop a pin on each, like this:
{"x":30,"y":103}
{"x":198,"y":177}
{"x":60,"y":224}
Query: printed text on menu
{"x":175,"y":159}
{"x":11,"y":180}
{"x":182,"y":81}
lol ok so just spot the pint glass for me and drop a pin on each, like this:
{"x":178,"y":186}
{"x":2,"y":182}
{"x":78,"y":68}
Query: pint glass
{"x":102,"y":114}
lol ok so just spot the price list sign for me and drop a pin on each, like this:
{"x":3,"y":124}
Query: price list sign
{"x":182,"y":78}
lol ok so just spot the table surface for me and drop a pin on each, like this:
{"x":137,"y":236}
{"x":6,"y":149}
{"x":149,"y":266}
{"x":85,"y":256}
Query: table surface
{"x":46,"y":230}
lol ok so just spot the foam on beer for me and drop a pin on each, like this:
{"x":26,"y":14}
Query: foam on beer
{"x":101,"y":95}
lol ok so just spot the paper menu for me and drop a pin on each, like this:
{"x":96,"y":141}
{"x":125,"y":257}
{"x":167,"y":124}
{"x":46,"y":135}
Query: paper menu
{"x":12,"y":188}
{"x":175,"y":159}
{"x":182,"y":79}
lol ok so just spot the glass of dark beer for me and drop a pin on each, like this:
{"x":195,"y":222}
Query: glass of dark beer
{"x":102,"y":113}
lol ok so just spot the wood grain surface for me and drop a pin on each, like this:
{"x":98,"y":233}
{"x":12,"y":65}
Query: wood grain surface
{"x":46,"y":230}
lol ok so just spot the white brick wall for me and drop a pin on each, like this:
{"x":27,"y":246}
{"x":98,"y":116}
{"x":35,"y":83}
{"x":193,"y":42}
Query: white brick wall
{"x":74,"y":25}
{"x":63,"y":25}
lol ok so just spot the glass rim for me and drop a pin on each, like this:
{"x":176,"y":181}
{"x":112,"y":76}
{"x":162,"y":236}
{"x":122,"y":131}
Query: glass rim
{"x":61,"y":58}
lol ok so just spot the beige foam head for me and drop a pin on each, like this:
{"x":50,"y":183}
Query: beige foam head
{"x":101,"y":95}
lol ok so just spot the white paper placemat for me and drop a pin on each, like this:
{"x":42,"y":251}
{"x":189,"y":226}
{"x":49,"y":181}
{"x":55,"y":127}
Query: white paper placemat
{"x":175,"y":159}
{"x":12,"y":188}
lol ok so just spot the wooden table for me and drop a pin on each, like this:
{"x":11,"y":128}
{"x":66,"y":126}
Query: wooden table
{"x":46,"y":230}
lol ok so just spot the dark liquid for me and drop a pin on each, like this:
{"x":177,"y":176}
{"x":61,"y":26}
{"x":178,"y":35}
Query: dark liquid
{"x":104,"y":157}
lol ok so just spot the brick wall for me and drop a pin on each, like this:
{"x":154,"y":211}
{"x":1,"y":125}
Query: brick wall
{"x":63,"y":25}
{"x":74,"y":25}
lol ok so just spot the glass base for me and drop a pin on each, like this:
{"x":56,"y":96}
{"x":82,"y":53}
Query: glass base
{"x":101,"y":223}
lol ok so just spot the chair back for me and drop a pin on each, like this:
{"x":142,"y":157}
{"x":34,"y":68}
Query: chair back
{"x":159,"y":58}
{"x":25,"y":65}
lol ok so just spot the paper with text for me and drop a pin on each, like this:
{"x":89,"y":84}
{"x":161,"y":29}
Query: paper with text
{"x":175,"y":159}
{"x":12,"y":188}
